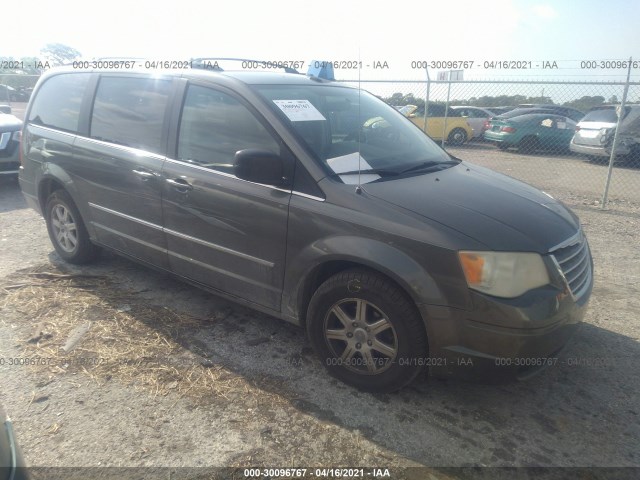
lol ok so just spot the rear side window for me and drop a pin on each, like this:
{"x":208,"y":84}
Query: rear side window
{"x":130,"y":112}
{"x":438,"y":110}
{"x":477,"y":114}
{"x":58,"y":100}
{"x":608,"y":115}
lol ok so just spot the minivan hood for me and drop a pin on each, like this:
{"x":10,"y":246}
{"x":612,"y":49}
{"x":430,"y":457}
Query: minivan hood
{"x":502,"y":213}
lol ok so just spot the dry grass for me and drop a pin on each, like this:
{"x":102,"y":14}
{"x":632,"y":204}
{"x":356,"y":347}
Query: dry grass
{"x":116,"y":336}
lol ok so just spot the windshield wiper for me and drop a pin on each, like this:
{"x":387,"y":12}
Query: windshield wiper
{"x":379,"y":171}
{"x":428,"y":166}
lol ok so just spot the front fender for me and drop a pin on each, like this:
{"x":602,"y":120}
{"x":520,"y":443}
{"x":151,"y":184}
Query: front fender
{"x":382,"y":257}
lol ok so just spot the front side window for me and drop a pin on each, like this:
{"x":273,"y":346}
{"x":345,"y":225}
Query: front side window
{"x":57,"y":102}
{"x":214,"y":126}
{"x":130,"y":111}
{"x":348,"y":130}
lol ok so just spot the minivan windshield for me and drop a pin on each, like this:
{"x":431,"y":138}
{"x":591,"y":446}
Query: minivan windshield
{"x":349,"y":131}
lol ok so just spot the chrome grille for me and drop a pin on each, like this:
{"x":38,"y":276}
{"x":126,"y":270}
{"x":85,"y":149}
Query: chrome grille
{"x":574,"y":260}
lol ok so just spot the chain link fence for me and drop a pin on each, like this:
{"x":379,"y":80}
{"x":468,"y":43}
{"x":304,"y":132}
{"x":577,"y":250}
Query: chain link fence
{"x":537,"y":147}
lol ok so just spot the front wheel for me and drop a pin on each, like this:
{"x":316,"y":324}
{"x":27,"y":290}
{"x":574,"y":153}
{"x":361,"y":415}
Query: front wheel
{"x":366,"y":331}
{"x":66,"y":229}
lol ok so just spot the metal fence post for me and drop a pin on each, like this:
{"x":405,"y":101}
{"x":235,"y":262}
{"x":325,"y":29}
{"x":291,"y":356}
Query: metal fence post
{"x":612,"y":157}
{"x":446,"y":111}
{"x":426,"y":102}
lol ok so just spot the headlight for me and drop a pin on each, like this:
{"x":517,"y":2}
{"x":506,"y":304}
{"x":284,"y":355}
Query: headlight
{"x":503,"y":274}
{"x":16,"y":136}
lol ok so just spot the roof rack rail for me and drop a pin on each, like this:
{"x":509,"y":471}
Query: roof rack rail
{"x":211,"y":63}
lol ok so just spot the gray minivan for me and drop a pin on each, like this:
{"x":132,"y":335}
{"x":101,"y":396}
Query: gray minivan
{"x":316,"y":203}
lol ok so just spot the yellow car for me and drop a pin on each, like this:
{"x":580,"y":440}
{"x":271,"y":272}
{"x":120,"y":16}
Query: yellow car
{"x":457,"y":130}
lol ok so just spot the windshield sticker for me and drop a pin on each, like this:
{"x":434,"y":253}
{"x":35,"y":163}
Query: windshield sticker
{"x":349,"y":163}
{"x":299,"y":110}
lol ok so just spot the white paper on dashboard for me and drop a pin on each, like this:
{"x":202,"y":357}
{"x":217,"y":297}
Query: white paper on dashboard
{"x":349,"y":163}
{"x":299,"y":110}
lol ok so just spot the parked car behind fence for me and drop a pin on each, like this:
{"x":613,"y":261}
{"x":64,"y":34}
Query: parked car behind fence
{"x":532,"y":132}
{"x":477,"y":117}
{"x":10,"y":130}
{"x":594,"y":134}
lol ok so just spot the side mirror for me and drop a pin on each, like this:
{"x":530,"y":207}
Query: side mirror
{"x":259,"y":166}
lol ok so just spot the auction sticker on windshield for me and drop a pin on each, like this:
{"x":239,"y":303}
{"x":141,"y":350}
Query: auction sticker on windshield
{"x":299,"y":110}
{"x":350,"y":163}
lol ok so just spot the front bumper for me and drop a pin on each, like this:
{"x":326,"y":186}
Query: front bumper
{"x":476,"y":344}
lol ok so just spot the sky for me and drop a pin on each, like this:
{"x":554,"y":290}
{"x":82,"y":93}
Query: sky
{"x":397,"y":32}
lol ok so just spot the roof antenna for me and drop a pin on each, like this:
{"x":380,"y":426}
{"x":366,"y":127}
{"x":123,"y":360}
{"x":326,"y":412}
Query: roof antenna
{"x":359,"y":186}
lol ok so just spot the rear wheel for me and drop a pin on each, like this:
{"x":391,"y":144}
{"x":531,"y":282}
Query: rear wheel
{"x":366,"y":331}
{"x":528,"y":145}
{"x":457,"y":137}
{"x":67,"y":230}
{"x":633,"y":159}
{"x":597,"y":159}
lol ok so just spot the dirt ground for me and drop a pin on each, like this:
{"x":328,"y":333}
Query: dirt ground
{"x":168,"y":375}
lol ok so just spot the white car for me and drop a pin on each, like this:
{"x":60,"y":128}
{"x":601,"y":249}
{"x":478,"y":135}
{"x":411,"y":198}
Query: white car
{"x":477,"y":118}
{"x":595,"y":132}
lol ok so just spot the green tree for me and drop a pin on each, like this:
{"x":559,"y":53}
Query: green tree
{"x":586,"y":102}
{"x":59,"y":54}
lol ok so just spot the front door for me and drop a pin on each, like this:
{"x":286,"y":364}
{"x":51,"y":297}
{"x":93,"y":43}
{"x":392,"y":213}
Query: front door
{"x":223,"y":232}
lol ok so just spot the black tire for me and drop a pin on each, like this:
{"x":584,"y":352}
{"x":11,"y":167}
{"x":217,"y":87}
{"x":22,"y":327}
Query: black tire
{"x":502,"y":145}
{"x":528,"y":145}
{"x":67,"y":231}
{"x":598,"y":160}
{"x":632,"y":160}
{"x":382,"y":361}
{"x":457,"y":137}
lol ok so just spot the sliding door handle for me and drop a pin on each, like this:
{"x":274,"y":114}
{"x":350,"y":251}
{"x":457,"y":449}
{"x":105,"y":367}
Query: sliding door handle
{"x":180,"y":184}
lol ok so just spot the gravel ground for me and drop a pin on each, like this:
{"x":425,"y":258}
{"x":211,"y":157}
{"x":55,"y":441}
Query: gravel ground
{"x":284,"y":409}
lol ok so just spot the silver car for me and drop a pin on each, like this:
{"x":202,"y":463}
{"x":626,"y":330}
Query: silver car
{"x":477,"y":117}
{"x":595,"y":132}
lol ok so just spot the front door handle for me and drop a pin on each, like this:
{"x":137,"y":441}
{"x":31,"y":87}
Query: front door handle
{"x":180,"y":184}
{"x":145,"y":174}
